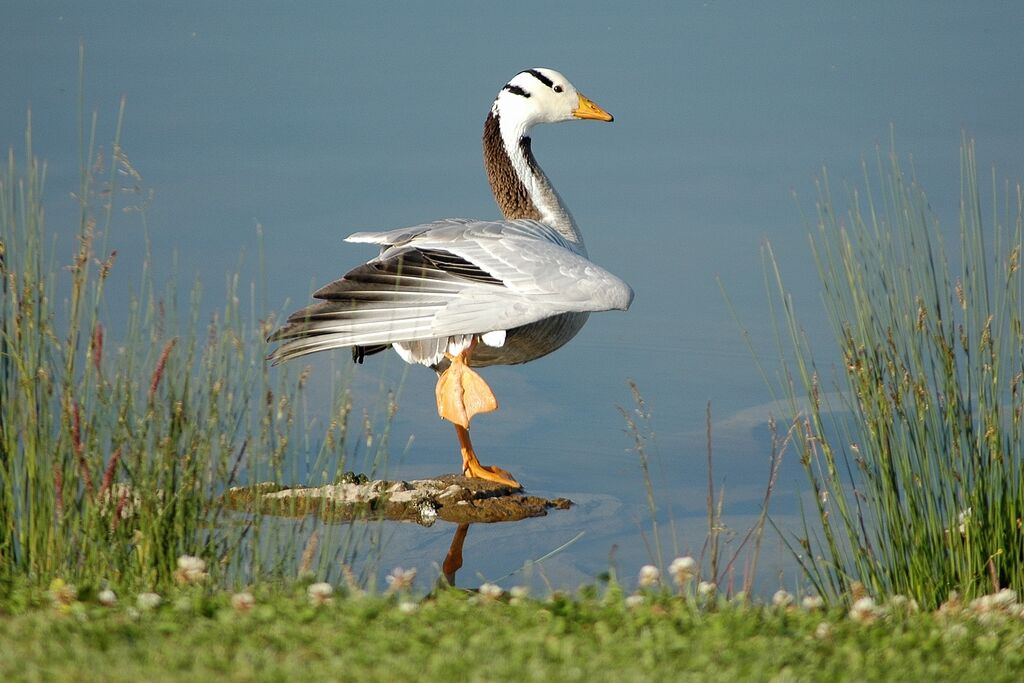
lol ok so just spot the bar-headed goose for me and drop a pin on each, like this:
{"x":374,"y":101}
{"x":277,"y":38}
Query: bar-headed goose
{"x":458,"y":293}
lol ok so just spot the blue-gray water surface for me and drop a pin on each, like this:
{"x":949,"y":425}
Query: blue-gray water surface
{"x":320,"y":119}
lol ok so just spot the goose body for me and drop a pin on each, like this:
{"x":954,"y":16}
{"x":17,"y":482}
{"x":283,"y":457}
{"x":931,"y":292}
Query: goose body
{"x":460,"y":292}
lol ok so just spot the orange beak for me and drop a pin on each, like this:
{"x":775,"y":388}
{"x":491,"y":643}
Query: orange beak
{"x":588,"y":110}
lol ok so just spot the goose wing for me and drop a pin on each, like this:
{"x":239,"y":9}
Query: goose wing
{"x":450,"y":278}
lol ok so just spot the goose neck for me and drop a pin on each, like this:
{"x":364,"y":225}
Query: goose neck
{"x":520,"y":187}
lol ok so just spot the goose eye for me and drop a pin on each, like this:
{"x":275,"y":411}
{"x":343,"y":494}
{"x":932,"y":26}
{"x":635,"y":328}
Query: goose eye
{"x":557,"y":88}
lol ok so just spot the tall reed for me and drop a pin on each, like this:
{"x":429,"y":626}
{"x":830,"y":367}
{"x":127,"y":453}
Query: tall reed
{"x":117,"y":443}
{"x":916,"y":459}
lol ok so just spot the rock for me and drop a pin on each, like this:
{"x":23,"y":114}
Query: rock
{"x":451,"y":497}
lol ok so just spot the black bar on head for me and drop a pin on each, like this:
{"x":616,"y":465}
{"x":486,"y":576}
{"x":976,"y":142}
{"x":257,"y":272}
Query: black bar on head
{"x":540,"y":77}
{"x":516,"y":90}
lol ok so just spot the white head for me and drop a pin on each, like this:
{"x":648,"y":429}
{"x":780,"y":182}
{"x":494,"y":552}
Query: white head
{"x":542,"y":96}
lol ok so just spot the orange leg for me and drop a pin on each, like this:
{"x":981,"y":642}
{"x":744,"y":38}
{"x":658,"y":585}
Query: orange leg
{"x":461,"y":393}
{"x":471,"y":467}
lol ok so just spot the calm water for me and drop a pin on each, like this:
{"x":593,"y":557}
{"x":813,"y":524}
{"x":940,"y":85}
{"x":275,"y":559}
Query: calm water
{"x":336,"y":118}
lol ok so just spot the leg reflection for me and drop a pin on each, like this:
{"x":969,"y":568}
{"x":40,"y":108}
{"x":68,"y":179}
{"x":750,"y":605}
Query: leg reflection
{"x":453,"y":560}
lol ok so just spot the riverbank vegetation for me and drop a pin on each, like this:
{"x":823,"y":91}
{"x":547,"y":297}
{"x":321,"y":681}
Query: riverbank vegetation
{"x":913,"y":447}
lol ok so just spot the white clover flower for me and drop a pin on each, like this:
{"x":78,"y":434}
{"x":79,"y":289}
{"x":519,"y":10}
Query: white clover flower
{"x":490,"y":591}
{"x":191,"y":569}
{"x":982,"y":604}
{"x":634,"y":601}
{"x":649,"y":575}
{"x":953,"y":604}
{"x":1004,"y":598}
{"x":812,"y":602}
{"x":400,"y":579}
{"x":782,"y":598}
{"x":320,"y":593}
{"x":706,"y":589}
{"x":519,"y":592}
{"x":864,"y":610}
{"x":407,"y":607}
{"x":243,"y":602}
{"x":823,"y":631}
{"x":148,"y":601}
{"x":107,"y":597}
{"x":992,"y":618}
{"x":904,"y":604}
{"x":1001,"y":601}
{"x":682,"y":570}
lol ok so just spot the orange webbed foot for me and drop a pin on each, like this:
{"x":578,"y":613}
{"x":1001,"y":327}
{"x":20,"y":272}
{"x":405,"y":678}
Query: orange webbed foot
{"x":473,"y":468}
{"x":462,"y":393}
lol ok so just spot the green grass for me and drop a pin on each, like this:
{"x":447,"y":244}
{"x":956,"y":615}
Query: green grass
{"x":198,"y":635}
{"x":914,"y":447}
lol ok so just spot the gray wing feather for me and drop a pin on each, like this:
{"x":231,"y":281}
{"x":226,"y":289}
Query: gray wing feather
{"x":512,"y":273}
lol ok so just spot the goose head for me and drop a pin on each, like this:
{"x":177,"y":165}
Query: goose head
{"x":542,"y":96}
{"x":520,"y":187}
